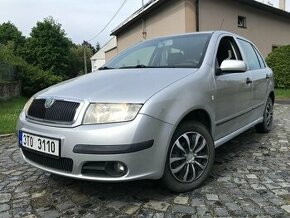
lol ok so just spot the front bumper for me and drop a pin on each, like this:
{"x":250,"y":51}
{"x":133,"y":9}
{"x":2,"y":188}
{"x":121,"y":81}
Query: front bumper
{"x":104,"y":142}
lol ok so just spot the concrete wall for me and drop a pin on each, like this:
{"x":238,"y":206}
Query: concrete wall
{"x":9,"y":89}
{"x":263,"y":28}
{"x":173,"y":17}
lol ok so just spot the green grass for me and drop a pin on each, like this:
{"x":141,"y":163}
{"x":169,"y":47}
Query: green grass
{"x":9,"y":111}
{"x":282,"y":94}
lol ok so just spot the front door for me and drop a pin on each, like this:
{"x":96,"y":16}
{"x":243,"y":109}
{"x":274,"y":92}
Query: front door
{"x":234,"y":95}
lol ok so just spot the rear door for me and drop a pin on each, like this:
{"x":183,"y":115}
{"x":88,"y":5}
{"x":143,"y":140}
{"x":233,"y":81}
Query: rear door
{"x":233,"y":99}
{"x":260,"y":75}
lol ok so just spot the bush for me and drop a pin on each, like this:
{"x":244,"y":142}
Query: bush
{"x":35,"y":79}
{"x":279,"y":62}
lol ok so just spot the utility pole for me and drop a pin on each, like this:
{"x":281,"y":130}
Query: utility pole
{"x":85,"y":58}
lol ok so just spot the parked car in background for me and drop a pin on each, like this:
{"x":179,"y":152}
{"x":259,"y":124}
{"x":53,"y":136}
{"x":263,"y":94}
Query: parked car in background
{"x":156,"y":111}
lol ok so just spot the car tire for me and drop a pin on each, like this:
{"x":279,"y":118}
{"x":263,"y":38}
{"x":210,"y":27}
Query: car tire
{"x":267,"y":123}
{"x":190,"y":157}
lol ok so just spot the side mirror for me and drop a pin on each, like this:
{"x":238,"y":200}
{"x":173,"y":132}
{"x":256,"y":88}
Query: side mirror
{"x":233,"y":66}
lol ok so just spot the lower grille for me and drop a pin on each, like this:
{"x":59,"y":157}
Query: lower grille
{"x":64,"y":164}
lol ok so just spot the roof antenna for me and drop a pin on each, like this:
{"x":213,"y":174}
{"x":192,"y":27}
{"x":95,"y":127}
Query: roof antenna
{"x":222,"y":23}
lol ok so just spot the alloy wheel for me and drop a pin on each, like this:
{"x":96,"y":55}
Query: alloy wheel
{"x":269,"y":114}
{"x":189,"y":157}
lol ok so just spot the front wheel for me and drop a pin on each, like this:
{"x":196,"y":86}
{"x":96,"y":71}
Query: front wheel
{"x":190,"y":157}
{"x":267,"y":123}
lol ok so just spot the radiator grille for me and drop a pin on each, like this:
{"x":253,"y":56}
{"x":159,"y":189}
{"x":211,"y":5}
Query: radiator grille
{"x":59,"y":111}
{"x":64,"y":164}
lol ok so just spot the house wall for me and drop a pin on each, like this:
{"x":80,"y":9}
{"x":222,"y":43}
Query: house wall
{"x":174,"y":17}
{"x":263,"y":28}
{"x":96,"y":64}
{"x":111,"y":53}
{"x":190,"y":16}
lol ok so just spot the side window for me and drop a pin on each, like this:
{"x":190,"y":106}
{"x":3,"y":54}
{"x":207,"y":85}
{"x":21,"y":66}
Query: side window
{"x":261,"y":59}
{"x":250,"y":55}
{"x":227,"y":50}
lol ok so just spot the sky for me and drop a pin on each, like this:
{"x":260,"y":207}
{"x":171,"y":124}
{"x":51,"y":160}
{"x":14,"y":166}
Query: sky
{"x":81,"y":19}
{"x":275,"y":3}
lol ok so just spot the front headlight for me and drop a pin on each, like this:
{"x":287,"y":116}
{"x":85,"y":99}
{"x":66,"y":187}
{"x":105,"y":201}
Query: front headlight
{"x":111,"y":113}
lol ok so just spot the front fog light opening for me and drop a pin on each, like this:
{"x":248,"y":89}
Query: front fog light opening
{"x":116,"y":169}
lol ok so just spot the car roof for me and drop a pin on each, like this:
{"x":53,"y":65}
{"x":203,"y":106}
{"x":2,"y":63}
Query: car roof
{"x":213,"y":33}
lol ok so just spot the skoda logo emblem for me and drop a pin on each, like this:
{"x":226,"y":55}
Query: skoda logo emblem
{"x":49,"y":102}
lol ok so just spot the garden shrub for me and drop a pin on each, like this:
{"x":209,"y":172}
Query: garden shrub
{"x":279,"y":62}
{"x":35,"y":79}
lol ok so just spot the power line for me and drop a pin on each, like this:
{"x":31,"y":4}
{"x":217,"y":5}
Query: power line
{"x":124,"y":2}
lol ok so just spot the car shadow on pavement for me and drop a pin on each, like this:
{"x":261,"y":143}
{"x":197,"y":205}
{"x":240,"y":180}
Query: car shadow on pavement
{"x":144,"y":190}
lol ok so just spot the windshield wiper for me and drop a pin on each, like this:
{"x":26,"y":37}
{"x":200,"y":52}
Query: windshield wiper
{"x":135,"y":66}
{"x":106,"y":68}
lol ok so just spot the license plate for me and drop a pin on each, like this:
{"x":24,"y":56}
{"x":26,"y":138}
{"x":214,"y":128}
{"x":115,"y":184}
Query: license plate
{"x":41,"y":144}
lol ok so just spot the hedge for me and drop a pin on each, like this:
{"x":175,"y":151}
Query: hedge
{"x":33,"y":78}
{"x":279,"y":62}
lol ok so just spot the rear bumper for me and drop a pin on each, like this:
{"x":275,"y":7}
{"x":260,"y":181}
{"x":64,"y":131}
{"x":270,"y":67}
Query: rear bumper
{"x":140,"y":144}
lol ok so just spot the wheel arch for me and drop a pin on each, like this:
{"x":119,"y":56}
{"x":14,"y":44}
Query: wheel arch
{"x":199,"y":115}
{"x":272,"y":96}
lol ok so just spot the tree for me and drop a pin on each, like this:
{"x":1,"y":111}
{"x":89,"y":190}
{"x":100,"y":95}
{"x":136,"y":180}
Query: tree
{"x":89,"y":45}
{"x":33,"y":78}
{"x":98,"y":47}
{"x":77,"y":59}
{"x":10,"y":34}
{"x":279,"y":62}
{"x":48,"y":47}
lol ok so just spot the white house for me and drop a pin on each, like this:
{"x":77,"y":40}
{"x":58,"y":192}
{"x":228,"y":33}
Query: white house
{"x":99,"y":58}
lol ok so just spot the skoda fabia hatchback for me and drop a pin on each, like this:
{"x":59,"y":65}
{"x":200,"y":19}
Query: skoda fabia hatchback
{"x":157,"y":110}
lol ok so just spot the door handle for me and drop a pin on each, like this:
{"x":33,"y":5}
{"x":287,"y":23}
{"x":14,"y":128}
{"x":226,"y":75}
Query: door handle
{"x":267,"y":76}
{"x":249,"y":81}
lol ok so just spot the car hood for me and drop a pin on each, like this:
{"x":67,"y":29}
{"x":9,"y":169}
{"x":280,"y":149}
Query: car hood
{"x":117,"y":86}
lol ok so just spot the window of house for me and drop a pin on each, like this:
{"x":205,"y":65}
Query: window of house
{"x":242,"y":22}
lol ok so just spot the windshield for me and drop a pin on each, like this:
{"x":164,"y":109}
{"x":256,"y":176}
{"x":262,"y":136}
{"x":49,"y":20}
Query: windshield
{"x":186,"y":51}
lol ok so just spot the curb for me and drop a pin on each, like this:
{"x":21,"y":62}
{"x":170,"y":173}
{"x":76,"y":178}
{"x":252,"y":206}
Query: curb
{"x":282,"y":101}
{"x":6,"y":135}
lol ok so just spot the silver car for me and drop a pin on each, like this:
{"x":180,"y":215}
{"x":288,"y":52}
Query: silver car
{"x":156,"y":111}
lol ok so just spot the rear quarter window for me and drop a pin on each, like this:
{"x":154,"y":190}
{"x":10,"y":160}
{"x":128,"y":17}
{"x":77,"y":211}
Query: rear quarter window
{"x":261,"y":59}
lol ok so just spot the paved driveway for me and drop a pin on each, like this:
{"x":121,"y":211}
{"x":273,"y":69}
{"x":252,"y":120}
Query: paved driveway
{"x":251,"y":177}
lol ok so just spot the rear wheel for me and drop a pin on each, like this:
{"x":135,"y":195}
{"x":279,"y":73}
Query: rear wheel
{"x":267,"y":123}
{"x":190,"y":157}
